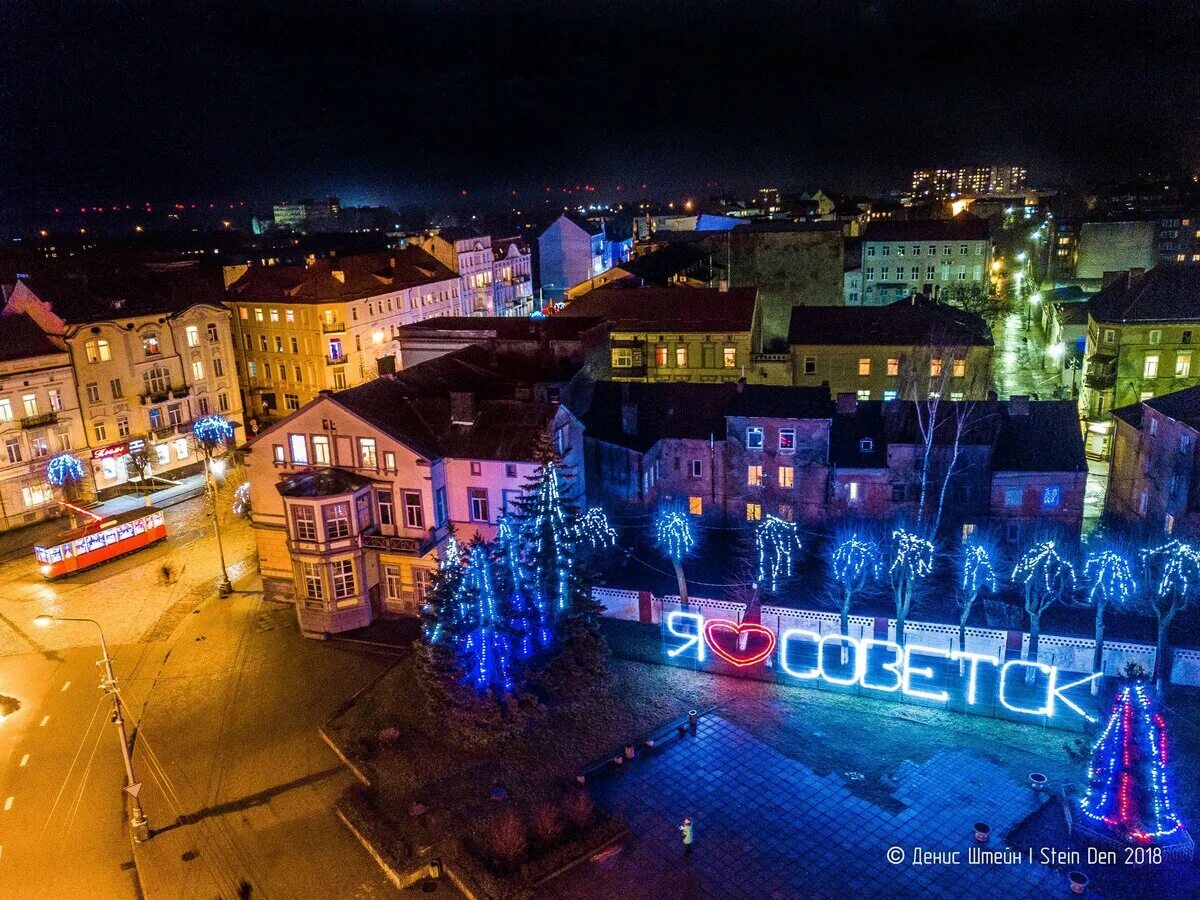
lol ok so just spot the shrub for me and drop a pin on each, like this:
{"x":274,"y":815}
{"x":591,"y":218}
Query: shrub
{"x":389,"y":735}
{"x":506,"y":839}
{"x":546,"y":823}
{"x":1134,"y":672}
{"x":578,"y":808}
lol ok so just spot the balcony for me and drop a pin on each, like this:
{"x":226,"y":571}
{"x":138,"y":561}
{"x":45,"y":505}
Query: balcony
{"x":179,"y":393}
{"x":1100,"y":380}
{"x":40,"y":421}
{"x":335,"y":360}
{"x":636,"y":371}
{"x":166,"y":431}
{"x":333,"y":327}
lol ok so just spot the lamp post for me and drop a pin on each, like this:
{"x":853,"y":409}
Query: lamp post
{"x":133,"y":787}
{"x":210,"y":433}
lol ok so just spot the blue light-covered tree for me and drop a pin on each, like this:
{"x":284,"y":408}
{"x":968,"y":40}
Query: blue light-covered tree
{"x":1109,"y":580}
{"x":65,"y":469}
{"x":485,"y":649}
{"x":911,"y":562}
{"x":522,"y":601}
{"x":978,"y":575}
{"x":675,"y":537}
{"x":596,"y":531}
{"x":775,"y":545}
{"x":1172,"y":583}
{"x":439,"y":623}
{"x":548,"y":522}
{"x":1046,"y":577}
{"x":212,"y":432}
{"x":854,"y":563}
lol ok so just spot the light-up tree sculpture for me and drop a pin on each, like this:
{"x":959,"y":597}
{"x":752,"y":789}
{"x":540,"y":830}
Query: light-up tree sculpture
{"x":1046,"y":577}
{"x":854,"y":563}
{"x":1172,"y":582}
{"x":675,"y":538}
{"x":911,"y":563}
{"x":775,"y":543}
{"x":1129,"y":793}
{"x":978,"y":575}
{"x":1110,"y":580}
{"x":595,"y":530}
{"x":213,"y":433}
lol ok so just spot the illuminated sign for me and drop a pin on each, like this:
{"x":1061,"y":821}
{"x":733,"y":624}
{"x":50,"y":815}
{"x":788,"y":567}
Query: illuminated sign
{"x":110,"y":451}
{"x":877,"y":664}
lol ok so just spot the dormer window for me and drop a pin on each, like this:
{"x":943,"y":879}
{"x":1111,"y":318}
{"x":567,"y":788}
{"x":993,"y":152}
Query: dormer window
{"x":866,"y":445}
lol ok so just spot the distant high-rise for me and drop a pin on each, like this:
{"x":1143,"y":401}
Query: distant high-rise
{"x":309,"y":216}
{"x":969,"y":180}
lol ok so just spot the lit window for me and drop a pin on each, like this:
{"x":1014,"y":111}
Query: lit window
{"x":864,"y":366}
{"x":889,"y":395}
{"x":258,"y":314}
{"x":337,"y":520}
{"x":753,"y":512}
{"x":197,"y":370}
{"x":852,"y":491}
{"x":274,"y":315}
{"x":279,"y":454}
{"x":193,"y":335}
{"x":893,"y":367}
{"x":730,"y":357}
{"x":1150,"y":369}
{"x":6,"y":413}
{"x":787,"y":440}
{"x":863,"y":395}
{"x":935,"y":368}
{"x":1051,"y":497}
{"x":956,"y":396}
{"x":786,"y":473}
{"x":960,"y":368}
{"x":754,"y":476}
{"x":150,"y":345}
{"x":367,"y":458}
{"x":662,"y":357}
{"x":696,"y":506}
{"x":681,"y":356}
{"x":754,"y":438}
{"x":1183,"y":365}
{"x":97,"y":351}
{"x":299,"y":449}
{"x":622,"y":358}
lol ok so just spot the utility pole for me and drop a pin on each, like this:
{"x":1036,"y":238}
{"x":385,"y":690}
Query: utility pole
{"x":133,"y":787}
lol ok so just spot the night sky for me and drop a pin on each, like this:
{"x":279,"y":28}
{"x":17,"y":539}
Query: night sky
{"x":388,"y":102}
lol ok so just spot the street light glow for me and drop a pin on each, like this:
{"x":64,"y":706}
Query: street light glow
{"x":43,"y":621}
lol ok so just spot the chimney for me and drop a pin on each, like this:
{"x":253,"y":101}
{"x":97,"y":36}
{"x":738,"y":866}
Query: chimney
{"x":462,"y":408}
{"x":339,"y":274}
{"x":1018,"y":405}
{"x":629,"y":412}
{"x":847,"y":404}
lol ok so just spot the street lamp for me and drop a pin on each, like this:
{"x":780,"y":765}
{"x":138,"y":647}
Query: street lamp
{"x":133,"y":787}
{"x":211,"y":433}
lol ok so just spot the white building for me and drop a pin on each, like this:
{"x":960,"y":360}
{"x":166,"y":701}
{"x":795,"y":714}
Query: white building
{"x":934,"y":257}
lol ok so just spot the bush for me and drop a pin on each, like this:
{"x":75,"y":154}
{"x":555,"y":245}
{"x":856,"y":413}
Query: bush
{"x":506,"y":839}
{"x":579,"y":669}
{"x":545,"y":823}
{"x":1134,"y":672}
{"x":578,"y":808}
{"x":389,"y":734}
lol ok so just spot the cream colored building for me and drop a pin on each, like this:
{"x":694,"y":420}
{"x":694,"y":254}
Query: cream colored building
{"x":39,"y":418}
{"x":151,"y":351}
{"x":330,"y":325}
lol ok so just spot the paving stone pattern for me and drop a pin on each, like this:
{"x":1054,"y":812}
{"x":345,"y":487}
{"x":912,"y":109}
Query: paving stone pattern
{"x":767,"y":826}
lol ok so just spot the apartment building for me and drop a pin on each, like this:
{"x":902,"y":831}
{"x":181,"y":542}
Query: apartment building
{"x":935,"y":257}
{"x":329,"y":325}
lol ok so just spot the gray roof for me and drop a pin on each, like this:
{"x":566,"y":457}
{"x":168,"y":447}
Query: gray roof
{"x":1170,"y":292}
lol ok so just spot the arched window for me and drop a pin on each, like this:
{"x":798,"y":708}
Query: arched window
{"x":156,"y":380}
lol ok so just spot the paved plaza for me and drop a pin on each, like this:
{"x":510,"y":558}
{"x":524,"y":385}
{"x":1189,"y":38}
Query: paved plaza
{"x":767,"y":826}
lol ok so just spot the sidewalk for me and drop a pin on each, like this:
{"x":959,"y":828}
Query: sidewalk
{"x":20,"y":539}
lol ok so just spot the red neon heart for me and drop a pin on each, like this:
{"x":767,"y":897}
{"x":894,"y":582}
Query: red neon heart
{"x":734,"y":658}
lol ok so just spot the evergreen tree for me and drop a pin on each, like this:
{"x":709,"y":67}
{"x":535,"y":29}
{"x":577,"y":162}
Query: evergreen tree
{"x":547,"y":520}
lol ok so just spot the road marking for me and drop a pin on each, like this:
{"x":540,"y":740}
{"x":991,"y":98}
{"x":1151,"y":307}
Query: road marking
{"x":24,"y":760}
{"x":8,"y":803}
{"x":42,"y":724}
{"x":65,"y":686}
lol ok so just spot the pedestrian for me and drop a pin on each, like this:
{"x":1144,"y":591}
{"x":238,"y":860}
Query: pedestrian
{"x":689,"y":836}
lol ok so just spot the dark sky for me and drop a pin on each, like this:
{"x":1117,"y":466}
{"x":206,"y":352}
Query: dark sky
{"x":384,"y":101}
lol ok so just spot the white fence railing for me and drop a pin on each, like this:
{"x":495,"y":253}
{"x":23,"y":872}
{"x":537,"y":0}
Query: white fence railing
{"x":1068,"y":653}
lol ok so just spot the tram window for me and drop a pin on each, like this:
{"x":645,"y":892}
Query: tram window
{"x":67,"y":550}
{"x":55,"y":554}
{"x":40,"y":554}
{"x":158,"y":518}
{"x":139,"y":526}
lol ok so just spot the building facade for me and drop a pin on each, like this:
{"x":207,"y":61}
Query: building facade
{"x":151,"y":352}
{"x":330,"y":325}
{"x":935,"y":257}
{"x":570,"y":251}
{"x":354,"y":494}
{"x":512,"y":277}
{"x":905,"y":350}
{"x":1154,"y":481}
{"x":969,"y":180}
{"x":1141,"y":337}
{"x":39,"y":418}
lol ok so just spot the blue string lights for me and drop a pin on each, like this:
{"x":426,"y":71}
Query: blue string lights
{"x":486,"y":648}
{"x":776,"y":542}
{"x":530,"y":613}
{"x":1111,"y":578}
{"x":978,"y":574}
{"x":212,"y":431}
{"x":65,"y":469}
{"x":1175,"y":571}
{"x":674,"y":534}
{"x":1129,"y":792}
{"x":912,"y":555}
{"x":550,"y":533}
{"x":594,"y":528}
{"x":1045,"y":562}
{"x":855,"y":559}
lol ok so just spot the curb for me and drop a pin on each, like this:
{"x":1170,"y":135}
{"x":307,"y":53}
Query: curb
{"x":354,"y":770}
{"x":401,"y":882}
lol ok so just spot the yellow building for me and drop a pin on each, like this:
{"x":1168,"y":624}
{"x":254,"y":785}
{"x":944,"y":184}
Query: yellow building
{"x":903,"y":350}
{"x":675,"y":333}
{"x":330,"y":325}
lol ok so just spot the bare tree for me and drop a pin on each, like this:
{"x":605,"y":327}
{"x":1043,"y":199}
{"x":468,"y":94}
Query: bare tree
{"x":1046,"y":578}
{"x":911,"y":562}
{"x":853,"y":562}
{"x":1172,"y":583}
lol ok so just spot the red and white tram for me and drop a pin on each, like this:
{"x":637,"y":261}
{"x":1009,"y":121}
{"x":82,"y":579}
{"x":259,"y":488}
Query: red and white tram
{"x":99,"y":541}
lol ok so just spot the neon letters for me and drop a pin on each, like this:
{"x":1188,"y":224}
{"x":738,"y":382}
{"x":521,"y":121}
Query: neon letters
{"x":875,"y":664}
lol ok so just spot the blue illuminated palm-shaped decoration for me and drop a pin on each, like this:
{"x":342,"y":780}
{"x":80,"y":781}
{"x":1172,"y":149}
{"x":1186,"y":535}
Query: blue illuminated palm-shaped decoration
{"x":64,"y":469}
{"x":674,"y":535}
{"x":978,"y":573}
{"x":776,"y":542}
{"x":1111,"y":578}
{"x":594,"y":528}
{"x":212,"y":431}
